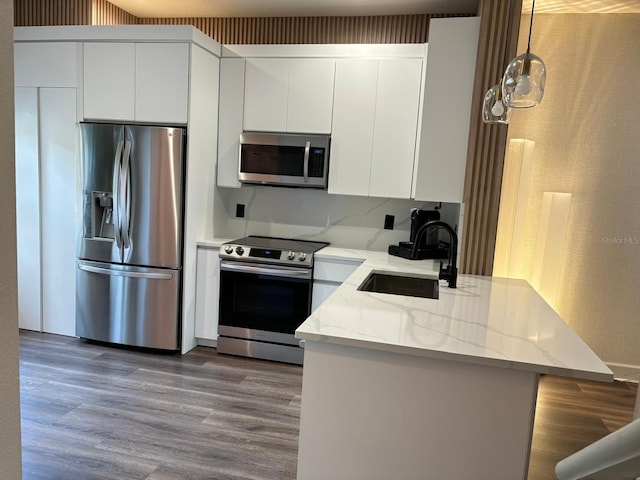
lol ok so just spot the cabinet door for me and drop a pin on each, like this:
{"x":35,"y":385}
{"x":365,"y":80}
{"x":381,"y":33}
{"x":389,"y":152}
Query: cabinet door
{"x":162,"y":82}
{"x":58,"y":202}
{"x":265,"y":96}
{"x":353,"y":122}
{"x":444,"y":137}
{"x":321,"y":291}
{"x":394,"y":134}
{"x":109,"y":81}
{"x":28,"y":209}
{"x":310,"y":95}
{"x":207,"y":293}
{"x":46,"y":64}
{"x":230,"y":120}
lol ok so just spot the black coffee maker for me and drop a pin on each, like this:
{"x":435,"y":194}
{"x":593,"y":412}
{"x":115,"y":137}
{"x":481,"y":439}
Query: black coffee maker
{"x":430,"y":246}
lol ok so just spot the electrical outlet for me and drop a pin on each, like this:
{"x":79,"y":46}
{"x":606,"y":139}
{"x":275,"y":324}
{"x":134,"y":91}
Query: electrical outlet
{"x":239,"y":210}
{"x":388,"y":222}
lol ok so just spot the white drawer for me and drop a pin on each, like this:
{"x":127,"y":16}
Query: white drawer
{"x":334,"y":270}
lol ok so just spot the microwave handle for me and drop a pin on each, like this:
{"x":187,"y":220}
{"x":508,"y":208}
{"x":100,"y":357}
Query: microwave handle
{"x":307,"y":147}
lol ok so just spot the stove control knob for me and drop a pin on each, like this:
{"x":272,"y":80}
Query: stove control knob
{"x":239,"y":250}
{"x":228,"y":249}
{"x":291,"y":255}
{"x":302,"y":257}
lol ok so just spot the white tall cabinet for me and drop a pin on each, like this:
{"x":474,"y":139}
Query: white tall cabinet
{"x":45,"y":115}
{"x":446,"y":111}
{"x":129,"y":74}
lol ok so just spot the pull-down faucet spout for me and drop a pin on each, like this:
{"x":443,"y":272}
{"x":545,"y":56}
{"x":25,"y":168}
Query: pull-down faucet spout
{"x":450,"y":274}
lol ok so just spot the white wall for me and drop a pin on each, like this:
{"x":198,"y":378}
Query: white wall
{"x":10,"y":454}
{"x":587,"y":144}
{"x":308,"y":214}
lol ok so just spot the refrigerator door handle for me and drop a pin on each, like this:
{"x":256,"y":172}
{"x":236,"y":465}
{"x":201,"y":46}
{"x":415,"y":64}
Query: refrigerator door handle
{"x":124,"y":273}
{"x":126,"y":195}
{"x":116,"y":195}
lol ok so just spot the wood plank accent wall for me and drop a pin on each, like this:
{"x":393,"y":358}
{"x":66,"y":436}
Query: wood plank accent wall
{"x":106,"y":13}
{"x":51,"y":12}
{"x":487,"y":142}
{"x":291,"y":30}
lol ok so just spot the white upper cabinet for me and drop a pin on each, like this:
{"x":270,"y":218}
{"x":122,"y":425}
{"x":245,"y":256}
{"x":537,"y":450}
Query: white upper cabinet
{"x":109,"y":81}
{"x":230,"y":120}
{"x":443,"y":140}
{"x":288,"y":95}
{"x":265,"y":94}
{"x":162,"y":82}
{"x":45,"y":64}
{"x":375,"y":118}
{"x":136,"y":82}
{"x":353,"y":123}
{"x":310,"y":99}
{"x":396,"y":123}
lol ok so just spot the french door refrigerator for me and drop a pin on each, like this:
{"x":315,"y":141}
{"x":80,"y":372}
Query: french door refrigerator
{"x":129,"y":261}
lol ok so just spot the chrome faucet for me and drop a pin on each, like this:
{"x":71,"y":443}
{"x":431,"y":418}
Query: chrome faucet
{"x":450,"y":274}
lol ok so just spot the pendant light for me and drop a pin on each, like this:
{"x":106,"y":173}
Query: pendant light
{"x":493,"y":109}
{"x":524,"y":77}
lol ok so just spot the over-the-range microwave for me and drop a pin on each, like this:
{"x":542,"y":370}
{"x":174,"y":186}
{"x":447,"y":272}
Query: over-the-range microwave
{"x":284,"y":159}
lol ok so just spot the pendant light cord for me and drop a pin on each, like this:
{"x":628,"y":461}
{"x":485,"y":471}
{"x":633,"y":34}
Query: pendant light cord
{"x":533,"y":6}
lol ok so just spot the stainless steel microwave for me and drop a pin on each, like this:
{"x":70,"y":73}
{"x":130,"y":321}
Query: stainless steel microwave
{"x":290,"y":160}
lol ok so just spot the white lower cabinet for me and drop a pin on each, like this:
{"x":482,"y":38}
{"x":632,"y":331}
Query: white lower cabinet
{"x":328,"y":275}
{"x":46,"y":208}
{"x":207,"y":293}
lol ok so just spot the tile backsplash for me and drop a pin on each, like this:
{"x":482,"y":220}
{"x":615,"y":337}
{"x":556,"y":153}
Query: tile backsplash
{"x":344,"y":221}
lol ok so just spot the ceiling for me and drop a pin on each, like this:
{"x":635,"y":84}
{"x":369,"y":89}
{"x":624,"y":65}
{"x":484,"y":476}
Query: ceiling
{"x":320,"y":8}
{"x":583,"y":6}
{"x":291,"y":8}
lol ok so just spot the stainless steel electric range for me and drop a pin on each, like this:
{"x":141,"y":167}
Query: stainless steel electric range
{"x":265,"y":294}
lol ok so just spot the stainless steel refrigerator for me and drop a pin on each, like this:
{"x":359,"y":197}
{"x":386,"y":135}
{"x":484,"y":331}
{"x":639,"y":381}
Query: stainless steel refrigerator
{"x":129,"y":264}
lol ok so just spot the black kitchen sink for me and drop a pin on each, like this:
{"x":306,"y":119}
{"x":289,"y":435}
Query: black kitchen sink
{"x":411,"y":286}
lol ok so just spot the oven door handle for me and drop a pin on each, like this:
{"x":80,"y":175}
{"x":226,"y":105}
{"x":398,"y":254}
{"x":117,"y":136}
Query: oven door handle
{"x":290,"y":272}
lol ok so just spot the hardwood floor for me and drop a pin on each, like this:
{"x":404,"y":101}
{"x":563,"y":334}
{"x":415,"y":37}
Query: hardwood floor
{"x":96,"y":412}
{"x":571,"y":414}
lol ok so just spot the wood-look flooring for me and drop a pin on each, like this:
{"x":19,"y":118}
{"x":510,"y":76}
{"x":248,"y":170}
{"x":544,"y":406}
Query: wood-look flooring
{"x":96,"y":412}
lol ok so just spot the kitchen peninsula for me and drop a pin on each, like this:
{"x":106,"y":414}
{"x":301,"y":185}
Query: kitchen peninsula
{"x":404,"y":387}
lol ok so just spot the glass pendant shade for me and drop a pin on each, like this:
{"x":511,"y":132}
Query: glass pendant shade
{"x":493,"y":109}
{"x":523,"y":81}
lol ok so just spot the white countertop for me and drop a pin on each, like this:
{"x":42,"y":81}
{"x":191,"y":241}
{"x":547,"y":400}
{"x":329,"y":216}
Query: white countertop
{"x":486,"y":320}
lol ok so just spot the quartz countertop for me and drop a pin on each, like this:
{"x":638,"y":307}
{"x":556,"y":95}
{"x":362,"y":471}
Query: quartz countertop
{"x":486,"y":320}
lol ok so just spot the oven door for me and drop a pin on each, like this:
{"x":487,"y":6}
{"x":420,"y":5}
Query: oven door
{"x":263,"y":302}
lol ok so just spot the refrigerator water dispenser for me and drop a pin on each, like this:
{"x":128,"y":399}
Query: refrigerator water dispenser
{"x":102,"y":215}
